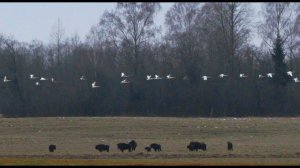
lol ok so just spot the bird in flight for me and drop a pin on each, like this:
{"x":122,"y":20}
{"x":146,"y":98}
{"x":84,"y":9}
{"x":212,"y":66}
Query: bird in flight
{"x":296,"y":80}
{"x":157,"y":77}
{"x":205,"y":77}
{"x":123,"y":75}
{"x":94,"y":85}
{"x":33,"y":77}
{"x":290,"y":73}
{"x":124,"y":81}
{"x":270,"y":75}
{"x":5,"y":79}
{"x":243,"y":75}
{"x":170,"y":77}
{"x":185,"y":78}
{"x":222,"y":75}
{"x":260,"y":76}
{"x":82,"y":77}
{"x":149,"y":77}
{"x":43,"y":79}
{"x":37,"y":83}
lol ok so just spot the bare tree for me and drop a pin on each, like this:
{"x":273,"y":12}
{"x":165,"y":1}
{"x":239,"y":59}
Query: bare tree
{"x":96,"y":55}
{"x":181,"y":17}
{"x":130,"y":27}
{"x":280,"y":18}
{"x":233,"y":19}
{"x":182,"y":34}
{"x":132,"y":24}
{"x":57,"y":37}
{"x":15,"y":68}
{"x":75,"y":41}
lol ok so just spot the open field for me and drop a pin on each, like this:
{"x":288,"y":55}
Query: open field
{"x":256,"y":141}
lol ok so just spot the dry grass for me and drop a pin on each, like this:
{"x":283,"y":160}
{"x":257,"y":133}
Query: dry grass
{"x":150,"y":162}
{"x":257,"y":141}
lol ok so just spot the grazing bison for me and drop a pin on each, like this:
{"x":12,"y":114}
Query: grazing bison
{"x":124,"y":146}
{"x":52,"y":148}
{"x":196,"y":145}
{"x":229,"y":146}
{"x":102,"y":147}
{"x":148,"y":149}
{"x":133,"y":145}
{"x":156,"y":147}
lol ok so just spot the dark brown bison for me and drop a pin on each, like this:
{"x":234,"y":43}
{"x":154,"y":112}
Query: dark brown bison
{"x":229,"y":146}
{"x":148,"y":149}
{"x":124,"y":146}
{"x":133,"y":145}
{"x":102,"y":147}
{"x":196,"y":145}
{"x":156,"y":147}
{"x":52,"y":148}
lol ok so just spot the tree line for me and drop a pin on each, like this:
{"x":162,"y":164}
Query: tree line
{"x":200,"y":39}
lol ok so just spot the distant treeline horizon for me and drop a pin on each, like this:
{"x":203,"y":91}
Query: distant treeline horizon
{"x":200,"y":40}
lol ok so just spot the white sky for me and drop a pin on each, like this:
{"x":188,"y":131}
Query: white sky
{"x":34,"y":21}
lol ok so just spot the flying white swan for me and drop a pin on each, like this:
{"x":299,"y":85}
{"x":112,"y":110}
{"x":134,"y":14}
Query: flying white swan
{"x":270,"y":75}
{"x":124,"y":81}
{"x":185,"y":78}
{"x":43,"y":79}
{"x":82,"y":77}
{"x":243,"y":75}
{"x":33,"y":77}
{"x":290,"y":73}
{"x":123,"y":75}
{"x":94,"y":85}
{"x":261,"y":76}
{"x":205,"y":77}
{"x":296,"y":80}
{"x":222,"y":75}
{"x":149,"y":77}
{"x":157,"y":77}
{"x":170,"y":77}
{"x":5,"y":79}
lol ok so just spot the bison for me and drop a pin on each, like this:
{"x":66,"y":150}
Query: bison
{"x":196,"y":145}
{"x":52,"y":148}
{"x":102,"y":147}
{"x":229,"y":146}
{"x":156,"y":147}
{"x":124,"y":146}
{"x":133,"y":145}
{"x":148,"y":149}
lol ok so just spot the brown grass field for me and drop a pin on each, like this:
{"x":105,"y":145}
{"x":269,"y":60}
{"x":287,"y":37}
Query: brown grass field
{"x":256,"y":141}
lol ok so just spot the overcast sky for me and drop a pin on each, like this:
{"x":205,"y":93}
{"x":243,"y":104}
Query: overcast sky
{"x":34,"y":21}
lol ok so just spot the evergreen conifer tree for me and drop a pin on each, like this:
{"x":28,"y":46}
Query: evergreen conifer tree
{"x":281,"y":78}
